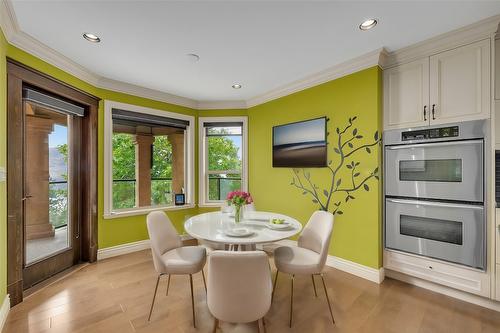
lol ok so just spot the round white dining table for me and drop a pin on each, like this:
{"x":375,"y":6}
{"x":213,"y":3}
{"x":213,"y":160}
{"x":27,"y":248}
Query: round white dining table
{"x":214,"y":226}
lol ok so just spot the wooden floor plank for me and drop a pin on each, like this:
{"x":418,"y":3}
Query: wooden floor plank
{"x":114,"y":295}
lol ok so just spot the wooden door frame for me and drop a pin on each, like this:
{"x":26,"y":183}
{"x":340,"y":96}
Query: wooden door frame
{"x":17,"y":75}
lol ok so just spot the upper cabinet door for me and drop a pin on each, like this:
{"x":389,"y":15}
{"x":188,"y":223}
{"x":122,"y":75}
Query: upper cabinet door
{"x":460,"y":83}
{"x":406,"y":95}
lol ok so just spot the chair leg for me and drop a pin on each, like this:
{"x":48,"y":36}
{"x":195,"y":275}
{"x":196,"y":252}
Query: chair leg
{"x":263,"y":321}
{"x":274,"y":286}
{"x":168,"y":284}
{"x":154,"y":296}
{"x":204,"y":281}
{"x":327,"y":298}
{"x":216,"y":324}
{"x":291,"y":302}
{"x":314,"y":285}
{"x":192,"y":299}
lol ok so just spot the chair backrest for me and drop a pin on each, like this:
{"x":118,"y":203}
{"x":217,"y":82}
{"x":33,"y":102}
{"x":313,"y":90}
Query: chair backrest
{"x":317,"y":233}
{"x":250,"y":207}
{"x":163,"y":237}
{"x":239,"y":285}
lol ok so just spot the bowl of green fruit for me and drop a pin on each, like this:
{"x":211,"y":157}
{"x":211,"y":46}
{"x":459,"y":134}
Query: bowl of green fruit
{"x":278,"y":224}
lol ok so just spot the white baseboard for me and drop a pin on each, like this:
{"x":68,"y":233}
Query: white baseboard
{"x":121,"y":249}
{"x":365,"y":272}
{"x":438,"y":288}
{"x":4,"y":311}
{"x":362,"y":271}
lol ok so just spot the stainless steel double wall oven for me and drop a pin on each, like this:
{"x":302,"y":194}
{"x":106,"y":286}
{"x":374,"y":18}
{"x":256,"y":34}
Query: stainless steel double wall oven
{"x":435,"y":192}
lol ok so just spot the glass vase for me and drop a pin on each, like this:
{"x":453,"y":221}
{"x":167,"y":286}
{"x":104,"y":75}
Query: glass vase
{"x":238,"y":213}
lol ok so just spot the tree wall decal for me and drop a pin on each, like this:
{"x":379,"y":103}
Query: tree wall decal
{"x":347,"y":149}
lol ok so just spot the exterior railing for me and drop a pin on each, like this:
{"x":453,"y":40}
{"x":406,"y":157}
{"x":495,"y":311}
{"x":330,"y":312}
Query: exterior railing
{"x":58,"y":203}
{"x":219,"y":187}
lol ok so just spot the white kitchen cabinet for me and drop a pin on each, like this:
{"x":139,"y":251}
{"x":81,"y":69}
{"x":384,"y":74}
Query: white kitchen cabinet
{"x":460,"y":83}
{"x":450,"y":275}
{"x":447,"y":87}
{"x":406,"y":98}
{"x":497,"y":124}
{"x":497,"y":68}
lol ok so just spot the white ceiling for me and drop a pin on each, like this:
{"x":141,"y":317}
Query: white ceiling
{"x":262,"y":45}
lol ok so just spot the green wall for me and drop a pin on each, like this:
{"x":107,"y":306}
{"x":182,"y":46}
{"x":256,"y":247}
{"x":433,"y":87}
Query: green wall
{"x":357,"y":233}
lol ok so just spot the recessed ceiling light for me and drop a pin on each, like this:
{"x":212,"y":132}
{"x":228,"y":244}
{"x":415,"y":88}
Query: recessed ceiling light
{"x":236,"y":86}
{"x":368,"y":24}
{"x":91,"y":37}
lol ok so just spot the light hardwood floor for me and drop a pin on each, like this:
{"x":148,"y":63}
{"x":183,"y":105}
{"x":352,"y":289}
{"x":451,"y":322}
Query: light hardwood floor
{"x":114,"y":295}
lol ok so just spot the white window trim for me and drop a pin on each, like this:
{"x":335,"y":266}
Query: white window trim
{"x":108,"y":164}
{"x":202,"y":180}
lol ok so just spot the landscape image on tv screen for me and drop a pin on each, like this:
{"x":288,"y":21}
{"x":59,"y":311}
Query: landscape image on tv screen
{"x":301,"y":144}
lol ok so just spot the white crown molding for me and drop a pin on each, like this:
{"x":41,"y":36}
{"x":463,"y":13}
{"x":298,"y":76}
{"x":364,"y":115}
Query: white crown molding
{"x":480,"y":30}
{"x":15,"y":36}
{"x":25,"y":42}
{"x":8,"y":21}
{"x":348,"y":67}
{"x":132,"y":89}
{"x":214,"y":105}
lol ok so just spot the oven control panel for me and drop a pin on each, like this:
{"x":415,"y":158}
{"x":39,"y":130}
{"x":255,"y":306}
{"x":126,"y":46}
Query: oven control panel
{"x":431,"y":133}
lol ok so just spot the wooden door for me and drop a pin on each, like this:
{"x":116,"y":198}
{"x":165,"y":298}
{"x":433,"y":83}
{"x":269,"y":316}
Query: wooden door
{"x":84,"y":185}
{"x":460,"y":83}
{"x":406,"y":95}
{"x":51,"y":179}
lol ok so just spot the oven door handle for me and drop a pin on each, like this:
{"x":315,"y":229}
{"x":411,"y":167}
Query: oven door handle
{"x":434,"y":204}
{"x":435,"y":144}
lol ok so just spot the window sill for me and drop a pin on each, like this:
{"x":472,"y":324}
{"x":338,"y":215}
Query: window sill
{"x":212,"y":204}
{"x":144,"y":211}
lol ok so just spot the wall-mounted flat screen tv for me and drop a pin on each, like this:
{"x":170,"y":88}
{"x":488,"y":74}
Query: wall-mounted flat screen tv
{"x":301,"y":144}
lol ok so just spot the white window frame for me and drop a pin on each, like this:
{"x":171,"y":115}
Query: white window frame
{"x":189,"y":173}
{"x":203,"y":158}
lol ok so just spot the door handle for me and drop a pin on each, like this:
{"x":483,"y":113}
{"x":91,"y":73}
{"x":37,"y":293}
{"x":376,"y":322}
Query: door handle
{"x":436,"y":144}
{"x":433,"y":111}
{"x":434,"y":204}
{"x":27,"y":197}
{"x":425,"y":112}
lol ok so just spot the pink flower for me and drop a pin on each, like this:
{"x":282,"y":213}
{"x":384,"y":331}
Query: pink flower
{"x":239,"y":198}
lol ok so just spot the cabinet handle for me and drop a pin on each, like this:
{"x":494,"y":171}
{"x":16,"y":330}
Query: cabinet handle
{"x":425,"y":112}
{"x":433,"y":116}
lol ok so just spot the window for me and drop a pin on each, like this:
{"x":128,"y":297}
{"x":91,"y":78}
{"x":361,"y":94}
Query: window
{"x":223,"y":149}
{"x":148,"y":159}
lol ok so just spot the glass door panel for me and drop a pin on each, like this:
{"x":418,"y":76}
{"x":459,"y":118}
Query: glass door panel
{"x":47,"y":182}
{"x":434,"y":229}
{"x":439,"y":170}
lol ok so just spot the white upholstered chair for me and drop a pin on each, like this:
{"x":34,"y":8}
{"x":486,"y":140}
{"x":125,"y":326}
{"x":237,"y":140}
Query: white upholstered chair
{"x":309,"y":256}
{"x":170,"y":257}
{"x":239,"y":286}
